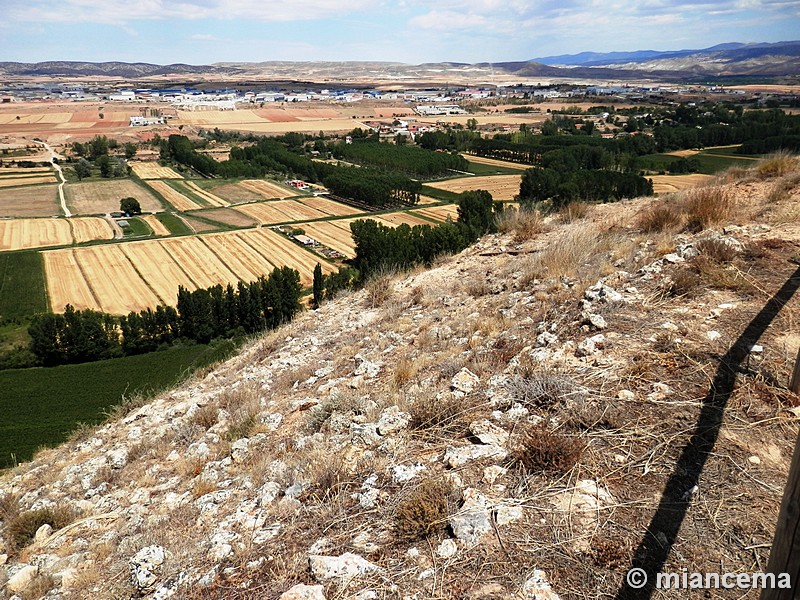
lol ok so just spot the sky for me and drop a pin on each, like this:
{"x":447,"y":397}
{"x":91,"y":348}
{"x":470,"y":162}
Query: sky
{"x":408,"y":31}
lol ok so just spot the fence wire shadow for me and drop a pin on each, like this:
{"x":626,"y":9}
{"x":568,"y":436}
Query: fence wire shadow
{"x":652,"y":552}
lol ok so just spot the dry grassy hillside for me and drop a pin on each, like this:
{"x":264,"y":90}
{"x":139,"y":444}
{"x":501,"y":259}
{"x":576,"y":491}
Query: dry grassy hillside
{"x":528,"y":419}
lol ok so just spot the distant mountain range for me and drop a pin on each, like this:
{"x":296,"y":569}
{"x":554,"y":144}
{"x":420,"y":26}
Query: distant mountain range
{"x":774,"y":61}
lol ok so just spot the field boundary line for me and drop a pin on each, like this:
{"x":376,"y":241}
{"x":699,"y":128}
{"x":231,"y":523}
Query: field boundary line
{"x":241,"y":236}
{"x":85,"y":278}
{"x":216,"y":254}
{"x":139,"y":273}
{"x":178,"y":264}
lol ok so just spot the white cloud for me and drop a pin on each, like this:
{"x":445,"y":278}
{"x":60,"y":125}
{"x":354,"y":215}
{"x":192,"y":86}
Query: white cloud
{"x":205,"y":37}
{"x":122,"y":11}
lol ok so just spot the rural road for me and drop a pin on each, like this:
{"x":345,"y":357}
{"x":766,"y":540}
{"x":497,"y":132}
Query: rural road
{"x":62,"y":179}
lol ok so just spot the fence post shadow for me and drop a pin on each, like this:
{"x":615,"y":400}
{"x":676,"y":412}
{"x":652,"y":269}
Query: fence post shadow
{"x":653,"y":550}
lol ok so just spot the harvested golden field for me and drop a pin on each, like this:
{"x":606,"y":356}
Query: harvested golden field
{"x":427,"y":200}
{"x":501,"y":187}
{"x":173,"y":196}
{"x":119,"y":278}
{"x":235,"y":193}
{"x":157,"y":226}
{"x":495,"y":163}
{"x":26,"y":180}
{"x":280,"y":211}
{"x":88,"y":229}
{"x":329,"y":207}
{"x":200,"y":225}
{"x":289,"y":119}
{"x":17,"y":234}
{"x":398,"y":218}
{"x":267,"y":190}
{"x":227,"y":216}
{"x":151,"y":170}
{"x":207,"y":196}
{"x":333,"y":234}
{"x":96,"y":197}
{"x":65,"y":281}
{"x":664,"y":184}
{"x":29,"y":118}
{"x":38,"y":201}
{"x":439,"y":213}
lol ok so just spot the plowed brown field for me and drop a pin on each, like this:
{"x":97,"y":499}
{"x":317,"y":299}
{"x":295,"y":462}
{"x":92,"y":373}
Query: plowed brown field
{"x":39,"y":201}
{"x":103,"y":196}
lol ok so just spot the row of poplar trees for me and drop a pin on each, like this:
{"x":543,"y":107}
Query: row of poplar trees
{"x":200,"y":316}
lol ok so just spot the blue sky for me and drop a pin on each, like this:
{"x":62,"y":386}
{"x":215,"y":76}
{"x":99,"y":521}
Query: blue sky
{"x":410,"y":31}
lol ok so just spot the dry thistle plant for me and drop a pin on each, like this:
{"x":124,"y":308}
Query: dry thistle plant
{"x":536,"y":449}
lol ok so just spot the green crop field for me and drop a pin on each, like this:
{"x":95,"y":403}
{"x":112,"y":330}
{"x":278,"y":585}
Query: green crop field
{"x":175,"y":224}
{"x":22,"y":287}
{"x":137,"y":228}
{"x":41,"y":406}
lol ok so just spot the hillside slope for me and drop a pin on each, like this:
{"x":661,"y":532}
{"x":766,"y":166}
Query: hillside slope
{"x":527,"y":419}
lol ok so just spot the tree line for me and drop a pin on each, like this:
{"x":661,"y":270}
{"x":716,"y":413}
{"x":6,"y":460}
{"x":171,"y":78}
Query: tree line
{"x":200,"y":316}
{"x":379,"y":247}
{"x":284,"y":155}
{"x":409,"y":160}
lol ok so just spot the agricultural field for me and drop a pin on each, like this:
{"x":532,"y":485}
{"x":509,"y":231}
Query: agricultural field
{"x":336,"y":234}
{"x":173,"y":196}
{"x":157,"y":226}
{"x":33,"y":201}
{"x":501,"y":187}
{"x":280,"y":211}
{"x":85,"y":393}
{"x":20,"y":234}
{"x":333,"y":234}
{"x":22,"y":288}
{"x":233,"y":193}
{"x":227,"y":216}
{"x":300,"y":120}
{"x":100,"y":197}
{"x":438,"y":213}
{"x":665,"y":184}
{"x":203,"y":194}
{"x":267,"y":190}
{"x":119,"y":278}
{"x":329,"y":207}
{"x":150,"y":170}
{"x":493,"y":162}
{"x":25,"y":180}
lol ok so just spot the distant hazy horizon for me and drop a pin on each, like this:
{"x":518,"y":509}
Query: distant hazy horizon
{"x":408,"y":31}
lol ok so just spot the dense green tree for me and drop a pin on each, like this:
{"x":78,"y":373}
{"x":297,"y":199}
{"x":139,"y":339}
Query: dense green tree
{"x":318,"y":285}
{"x":130,"y":150}
{"x":104,"y":164}
{"x":82,"y":168}
{"x":130,"y":206}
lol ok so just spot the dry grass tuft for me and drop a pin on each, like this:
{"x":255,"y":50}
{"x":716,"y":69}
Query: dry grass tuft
{"x":659,"y":217}
{"x":448,"y":415}
{"x":535,"y":449}
{"x":19,"y":531}
{"x":715,"y":248}
{"x":404,"y":372}
{"x":523,"y":223}
{"x":776,"y":165}
{"x":574,"y":211}
{"x":423,"y":512}
{"x":568,"y":253}
{"x":379,"y":288}
{"x":684,"y":282}
{"x":707,"y":206}
{"x":544,"y":389}
{"x":205,"y":416}
{"x":243,"y":406}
